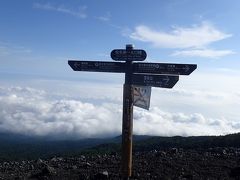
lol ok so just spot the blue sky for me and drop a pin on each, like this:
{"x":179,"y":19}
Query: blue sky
{"x":38,"y":37}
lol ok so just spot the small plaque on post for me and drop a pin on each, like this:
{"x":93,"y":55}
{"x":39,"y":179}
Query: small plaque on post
{"x":128,"y":55}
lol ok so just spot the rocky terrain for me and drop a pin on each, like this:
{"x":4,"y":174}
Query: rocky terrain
{"x":171,"y":163}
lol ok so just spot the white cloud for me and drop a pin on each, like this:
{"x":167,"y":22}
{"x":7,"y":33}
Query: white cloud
{"x":80,"y":13}
{"x":10,"y":49}
{"x":26,"y":110}
{"x":105,"y":17}
{"x":193,"y":37}
{"x":37,"y":112}
{"x":193,"y":41}
{"x":211,"y":104}
{"x":206,"y":53}
{"x":157,"y":122}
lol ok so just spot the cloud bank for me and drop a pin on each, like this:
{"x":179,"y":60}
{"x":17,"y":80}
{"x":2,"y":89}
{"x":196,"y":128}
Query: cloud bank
{"x":34,"y":112}
{"x":192,"y":41}
{"x":29,"y":111}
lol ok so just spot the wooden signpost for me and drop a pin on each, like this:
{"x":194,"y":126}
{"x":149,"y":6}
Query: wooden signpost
{"x":162,"y":75}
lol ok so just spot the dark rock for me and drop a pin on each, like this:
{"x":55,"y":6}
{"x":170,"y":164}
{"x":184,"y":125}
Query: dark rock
{"x":174,"y":151}
{"x":74,"y":167}
{"x":54,"y":159}
{"x":160,"y":154}
{"x":101,"y":176}
{"x":113,"y":153}
{"x":87,"y":165}
{"x":82,"y":176}
{"x":48,"y":170}
{"x":224,"y":152}
{"x":31,"y":167}
{"x":39,"y":161}
{"x":187,"y":176}
{"x":17,"y":178}
{"x":235,"y":172}
{"x":45,"y":172}
{"x":82,"y":158}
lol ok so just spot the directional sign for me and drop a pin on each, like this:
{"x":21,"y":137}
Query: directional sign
{"x":142,"y":96}
{"x":164,"y":68}
{"x":164,"y":81}
{"x":139,"y":78}
{"x":128,"y":55}
{"x":97,"y":66}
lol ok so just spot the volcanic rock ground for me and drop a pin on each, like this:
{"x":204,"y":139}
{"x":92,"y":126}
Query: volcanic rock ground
{"x":213,"y":163}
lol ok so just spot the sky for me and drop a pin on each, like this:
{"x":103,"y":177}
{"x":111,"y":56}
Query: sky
{"x":40,"y":95}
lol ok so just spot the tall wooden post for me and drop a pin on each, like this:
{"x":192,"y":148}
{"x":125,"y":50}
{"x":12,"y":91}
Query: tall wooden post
{"x":127,"y":122}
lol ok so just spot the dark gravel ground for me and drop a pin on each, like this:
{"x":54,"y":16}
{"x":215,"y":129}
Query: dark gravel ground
{"x":213,"y":163}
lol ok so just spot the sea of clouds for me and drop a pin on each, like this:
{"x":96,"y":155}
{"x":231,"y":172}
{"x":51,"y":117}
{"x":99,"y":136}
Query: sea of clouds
{"x":96,"y":111}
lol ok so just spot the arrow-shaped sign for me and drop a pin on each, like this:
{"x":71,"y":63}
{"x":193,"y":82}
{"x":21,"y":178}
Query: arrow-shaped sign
{"x":97,"y":66}
{"x":164,"y":68}
{"x":163,"y":81}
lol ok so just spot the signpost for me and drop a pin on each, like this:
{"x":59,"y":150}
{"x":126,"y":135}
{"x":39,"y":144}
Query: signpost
{"x":162,"y":75}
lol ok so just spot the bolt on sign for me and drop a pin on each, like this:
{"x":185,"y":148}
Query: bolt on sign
{"x":139,"y":78}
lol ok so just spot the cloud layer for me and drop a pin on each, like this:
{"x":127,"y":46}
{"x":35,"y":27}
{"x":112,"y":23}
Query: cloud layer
{"x":194,"y":40}
{"x":29,"y":111}
{"x":36,"y":112}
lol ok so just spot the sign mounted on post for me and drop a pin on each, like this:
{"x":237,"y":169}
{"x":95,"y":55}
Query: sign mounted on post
{"x":128,"y":55}
{"x":163,"y":81}
{"x":142,"y":96}
{"x":164,"y":68}
{"x":97,"y":66}
{"x":139,"y":78}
